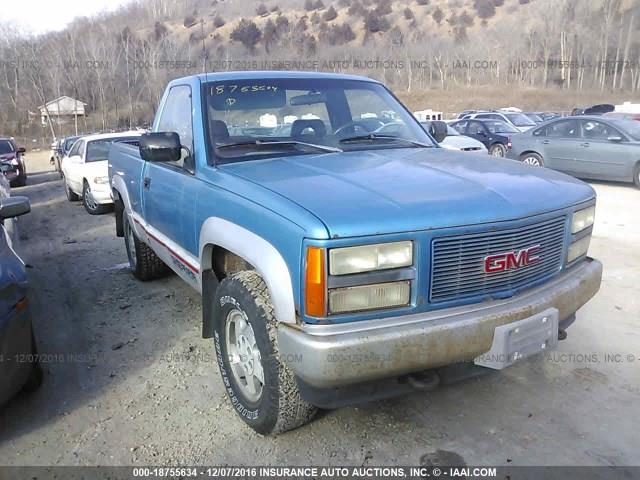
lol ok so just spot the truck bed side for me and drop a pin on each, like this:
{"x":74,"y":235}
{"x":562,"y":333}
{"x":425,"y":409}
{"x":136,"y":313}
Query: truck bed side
{"x":126,"y":170}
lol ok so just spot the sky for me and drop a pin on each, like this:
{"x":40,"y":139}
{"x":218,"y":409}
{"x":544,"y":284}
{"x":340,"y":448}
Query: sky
{"x":40,"y":16}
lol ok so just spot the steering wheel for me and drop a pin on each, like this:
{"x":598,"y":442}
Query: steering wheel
{"x":355,"y":124}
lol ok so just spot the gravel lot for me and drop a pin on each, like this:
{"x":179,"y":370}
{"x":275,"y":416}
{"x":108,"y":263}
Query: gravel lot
{"x":129,"y":381}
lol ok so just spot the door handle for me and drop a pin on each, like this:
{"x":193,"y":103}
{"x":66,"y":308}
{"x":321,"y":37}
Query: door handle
{"x":546,"y":142}
{"x":146,"y":182}
{"x":585,"y":144}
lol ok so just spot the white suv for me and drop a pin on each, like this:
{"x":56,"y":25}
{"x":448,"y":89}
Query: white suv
{"x":517,"y":119}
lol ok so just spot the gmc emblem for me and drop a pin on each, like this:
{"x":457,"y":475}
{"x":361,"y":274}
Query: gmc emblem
{"x":511,"y":260}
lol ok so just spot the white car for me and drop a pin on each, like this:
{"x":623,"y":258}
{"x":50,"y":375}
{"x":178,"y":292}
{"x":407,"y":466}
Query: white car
{"x":519,"y":120}
{"x":86,"y":173}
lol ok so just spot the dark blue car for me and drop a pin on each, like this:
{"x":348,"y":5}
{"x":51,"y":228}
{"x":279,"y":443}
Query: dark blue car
{"x":19,"y":369}
{"x":493,"y":134}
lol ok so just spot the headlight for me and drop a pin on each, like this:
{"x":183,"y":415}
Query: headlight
{"x":578,"y":248}
{"x":367,"y":258}
{"x":583,"y":219}
{"x":369,"y":297}
{"x":101,"y":180}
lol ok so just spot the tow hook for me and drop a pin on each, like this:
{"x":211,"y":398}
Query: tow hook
{"x":424,"y":381}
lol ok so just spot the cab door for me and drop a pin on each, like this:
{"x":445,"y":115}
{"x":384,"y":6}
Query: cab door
{"x":168,"y":202}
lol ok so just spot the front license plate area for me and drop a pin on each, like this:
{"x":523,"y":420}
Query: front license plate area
{"x":519,"y":340}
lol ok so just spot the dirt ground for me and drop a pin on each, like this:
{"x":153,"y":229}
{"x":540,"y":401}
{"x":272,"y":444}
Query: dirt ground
{"x":129,"y":381}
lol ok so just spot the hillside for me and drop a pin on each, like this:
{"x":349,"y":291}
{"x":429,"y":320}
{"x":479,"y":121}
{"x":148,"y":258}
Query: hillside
{"x":119,"y":63}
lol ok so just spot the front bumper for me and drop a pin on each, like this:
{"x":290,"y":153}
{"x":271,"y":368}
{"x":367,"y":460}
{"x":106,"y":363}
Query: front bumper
{"x":101,"y":193}
{"x":327,"y":356}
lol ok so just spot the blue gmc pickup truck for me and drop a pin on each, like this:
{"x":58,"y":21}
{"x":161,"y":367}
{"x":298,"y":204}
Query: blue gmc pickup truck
{"x":338,"y":262}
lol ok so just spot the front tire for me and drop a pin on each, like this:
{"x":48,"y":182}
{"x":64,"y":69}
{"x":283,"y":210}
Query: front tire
{"x":90,"y":204}
{"x":636,"y":176}
{"x":262,"y":389}
{"x":532,"y":159}
{"x":498,"y":150}
{"x":144,"y":262}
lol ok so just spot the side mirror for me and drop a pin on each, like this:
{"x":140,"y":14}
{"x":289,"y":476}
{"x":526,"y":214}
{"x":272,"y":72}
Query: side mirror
{"x":160,"y":147}
{"x":21,"y":150}
{"x":11,"y":207}
{"x":614,"y":138}
{"x":438,"y":129}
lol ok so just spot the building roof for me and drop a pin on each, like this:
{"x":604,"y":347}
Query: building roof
{"x":57,"y":100}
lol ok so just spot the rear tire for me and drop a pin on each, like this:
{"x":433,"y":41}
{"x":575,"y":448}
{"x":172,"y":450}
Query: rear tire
{"x":90,"y":204}
{"x":145,"y":264}
{"x":71,"y":195}
{"x":636,"y":175}
{"x":262,"y":389}
{"x":532,"y":159}
{"x":498,"y":150}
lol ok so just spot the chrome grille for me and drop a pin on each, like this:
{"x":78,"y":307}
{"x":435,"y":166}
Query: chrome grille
{"x":457,"y":265}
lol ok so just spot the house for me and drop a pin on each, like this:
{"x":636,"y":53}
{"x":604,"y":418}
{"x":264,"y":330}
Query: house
{"x":62,"y":110}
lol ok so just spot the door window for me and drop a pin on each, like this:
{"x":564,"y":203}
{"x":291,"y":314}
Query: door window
{"x":563,"y":129}
{"x":475,"y":128}
{"x":176,"y":117}
{"x":594,"y":130}
{"x":77,"y":148}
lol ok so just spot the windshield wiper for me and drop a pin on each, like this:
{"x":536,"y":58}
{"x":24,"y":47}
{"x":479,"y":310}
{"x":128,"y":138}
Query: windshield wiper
{"x":377,"y":136}
{"x":262,"y":143}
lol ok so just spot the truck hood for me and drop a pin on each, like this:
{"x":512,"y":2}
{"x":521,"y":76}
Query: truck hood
{"x":399,"y":190}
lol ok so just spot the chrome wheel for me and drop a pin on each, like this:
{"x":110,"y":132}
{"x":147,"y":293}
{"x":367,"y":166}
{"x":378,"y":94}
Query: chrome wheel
{"x":497,"y":151}
{"x":131,"y":245}
{"x":244,"y":355}
{"x":89,"y":201}
{"x":533,"y":161}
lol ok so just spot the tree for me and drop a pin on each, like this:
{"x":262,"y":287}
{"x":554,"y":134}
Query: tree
{"x":218,"y":21}
{"x":330,"y":14}
{"x":247,"y":33}
{"x":484,"y":8}
{"x":374,"y":23}
{"x":262,"y":10}
{"x":438,"y":15}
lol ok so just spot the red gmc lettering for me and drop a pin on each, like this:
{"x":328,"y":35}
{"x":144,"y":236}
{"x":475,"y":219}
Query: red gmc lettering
{"x":511,"y":260}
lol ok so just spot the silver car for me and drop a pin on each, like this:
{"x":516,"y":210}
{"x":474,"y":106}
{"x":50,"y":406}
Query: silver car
{"x":583,"y":146}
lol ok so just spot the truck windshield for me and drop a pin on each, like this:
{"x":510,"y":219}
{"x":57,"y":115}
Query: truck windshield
{"x":263,"y":118}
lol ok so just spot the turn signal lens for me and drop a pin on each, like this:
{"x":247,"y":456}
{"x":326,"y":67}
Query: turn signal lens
{"x":315,"y":283}
{"x":22,"y":304}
